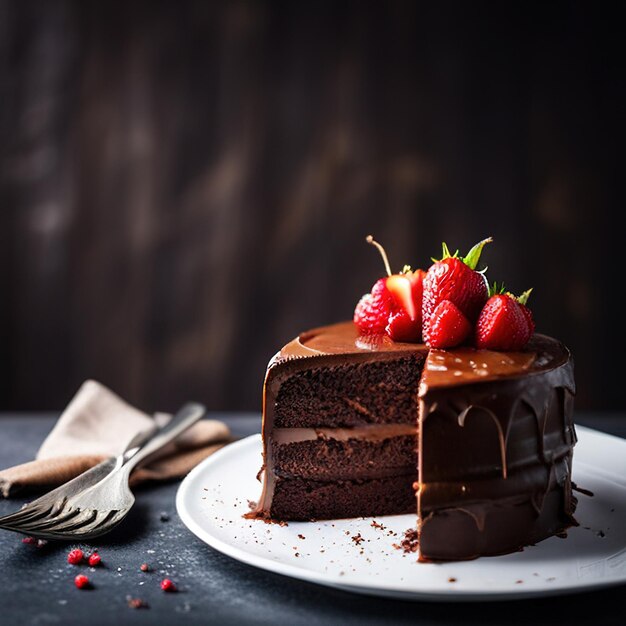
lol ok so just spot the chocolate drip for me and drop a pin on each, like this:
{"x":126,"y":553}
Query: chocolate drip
{"x":534,"y":465}
{"x":502,"y":436}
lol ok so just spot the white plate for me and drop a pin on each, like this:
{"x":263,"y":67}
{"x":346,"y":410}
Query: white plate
{"x":212,"y":499}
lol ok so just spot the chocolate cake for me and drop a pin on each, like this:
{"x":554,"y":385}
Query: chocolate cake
{"x":357,"y":427}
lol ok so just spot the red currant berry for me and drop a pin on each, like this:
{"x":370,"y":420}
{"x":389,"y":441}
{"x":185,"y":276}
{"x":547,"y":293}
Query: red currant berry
{"x":81,"y":581}
{"x":75,"y":556}
{"x":168,"y":585}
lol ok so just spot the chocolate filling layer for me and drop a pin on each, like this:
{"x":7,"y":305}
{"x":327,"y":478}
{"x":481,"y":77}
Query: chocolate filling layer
{"x":374,"y":432}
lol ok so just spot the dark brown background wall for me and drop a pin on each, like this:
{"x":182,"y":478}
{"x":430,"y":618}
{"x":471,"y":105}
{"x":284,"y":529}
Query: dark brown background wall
{"x":186,"y":185}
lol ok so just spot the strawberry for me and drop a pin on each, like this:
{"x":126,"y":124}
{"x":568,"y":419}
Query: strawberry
{"x":455,"y":279}
{"x":402,"y":328}
{"x":394,"y":305}
{"x":505,"y":322}
{"x":373,"y":310}
{"x":528,"y":314}
{"x":448,"y":326}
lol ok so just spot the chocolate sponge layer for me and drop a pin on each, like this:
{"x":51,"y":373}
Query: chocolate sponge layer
{"x":356,"y":393}
{"x":302,"y":499}
{"x":329,"y":459}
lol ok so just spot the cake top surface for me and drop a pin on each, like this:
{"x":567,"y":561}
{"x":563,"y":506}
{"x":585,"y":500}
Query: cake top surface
{"x":456,"y":366}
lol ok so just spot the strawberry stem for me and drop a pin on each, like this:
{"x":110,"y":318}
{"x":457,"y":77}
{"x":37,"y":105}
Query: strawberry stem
{"x":383,"y":254}
{"x":523,"y":299}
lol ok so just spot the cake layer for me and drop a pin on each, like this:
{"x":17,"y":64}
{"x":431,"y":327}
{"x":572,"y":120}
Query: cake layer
{"x":344,"y":457}
{"x":354,"y":392}
{"x":494,"y":434}
{"x":452,"y":534}
{"x":302,"y":499}
{"x":529,"y":484}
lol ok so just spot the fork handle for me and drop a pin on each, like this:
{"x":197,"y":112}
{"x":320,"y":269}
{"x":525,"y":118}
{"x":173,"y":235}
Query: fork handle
{"x":185,"y":417}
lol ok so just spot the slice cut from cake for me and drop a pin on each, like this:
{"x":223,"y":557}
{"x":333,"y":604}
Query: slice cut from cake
{"x":345,"y":420}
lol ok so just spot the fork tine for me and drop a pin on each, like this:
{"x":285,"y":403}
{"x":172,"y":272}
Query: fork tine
{"x":49,"y":521}
{"x":106,"y":518}
{"x":33,"y":510}
{"x":91,"y":523}
{"x":83,"y":518}
{"x":95,"y":525}
{"x":73,"y":524}
{"x":104,"y":525}
{"x":99,"y":525}
{"x":26,"y":514}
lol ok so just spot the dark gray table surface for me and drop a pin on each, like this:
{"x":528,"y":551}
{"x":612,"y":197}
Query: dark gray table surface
{"x":36,"y":585}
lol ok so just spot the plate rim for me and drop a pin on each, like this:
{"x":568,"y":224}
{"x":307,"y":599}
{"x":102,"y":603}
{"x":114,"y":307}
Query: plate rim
{"x":434,"y":594}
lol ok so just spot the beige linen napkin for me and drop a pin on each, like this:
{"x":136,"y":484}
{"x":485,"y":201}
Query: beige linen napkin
{"x":97,"y":424}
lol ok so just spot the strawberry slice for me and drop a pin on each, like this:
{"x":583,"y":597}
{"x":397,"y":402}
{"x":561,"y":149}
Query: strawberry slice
{"x":448,"y":326}
{"x":394,"y":305}
{"x":455,"y":279}
{"x":505,"y":322}
{"x":400,"y":287}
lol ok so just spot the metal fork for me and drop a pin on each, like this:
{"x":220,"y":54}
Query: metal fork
{"x":99,"y":499}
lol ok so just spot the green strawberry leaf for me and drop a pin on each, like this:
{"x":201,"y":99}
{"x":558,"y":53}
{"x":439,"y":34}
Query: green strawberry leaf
{"x":495,"y":289}
{"x":445,"y":253}
{"x":473,"y":256}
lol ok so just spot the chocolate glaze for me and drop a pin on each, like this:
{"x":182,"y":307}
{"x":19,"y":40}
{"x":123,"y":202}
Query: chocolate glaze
{"x":519,"y":423}
{"x":495,"y":437}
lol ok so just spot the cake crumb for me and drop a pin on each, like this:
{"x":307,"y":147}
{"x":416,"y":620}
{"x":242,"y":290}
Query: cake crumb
{"x":136,"y":603}
{"x":358,"y":539}
{"x":378,"y":526}
{"x":519,"y":582}
{"x":451,"y":579}
{"x":301,"y":536}
{"x":409,"y":543}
